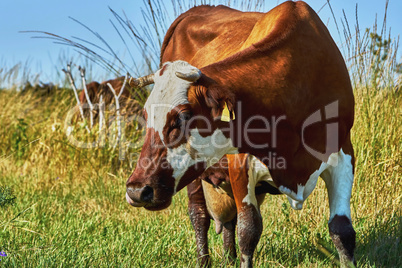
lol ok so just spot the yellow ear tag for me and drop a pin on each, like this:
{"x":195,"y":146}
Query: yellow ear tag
{"x":225,"y":114}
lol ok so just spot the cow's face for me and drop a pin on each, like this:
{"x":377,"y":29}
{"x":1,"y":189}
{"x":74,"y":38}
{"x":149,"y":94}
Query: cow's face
{"x":175,"y":152}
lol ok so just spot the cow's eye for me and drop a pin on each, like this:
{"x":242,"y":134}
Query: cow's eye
{"x":177,"y":122}
{"x":181,"y":118}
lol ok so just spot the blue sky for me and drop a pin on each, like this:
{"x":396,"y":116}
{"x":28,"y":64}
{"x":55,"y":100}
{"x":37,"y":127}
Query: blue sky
{"x":53,"y":16}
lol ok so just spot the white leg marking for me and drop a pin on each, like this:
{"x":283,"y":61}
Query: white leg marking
{"x":339,"y":181}
{"x":246,"y":260}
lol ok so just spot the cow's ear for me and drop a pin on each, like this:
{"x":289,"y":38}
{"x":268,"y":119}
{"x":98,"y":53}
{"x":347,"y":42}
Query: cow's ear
{"x":213,"y":98}
{"x":221,"y":102}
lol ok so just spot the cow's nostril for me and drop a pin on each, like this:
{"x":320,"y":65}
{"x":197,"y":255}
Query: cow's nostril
{"x":147,"y":194}
{"x":141,"y":195}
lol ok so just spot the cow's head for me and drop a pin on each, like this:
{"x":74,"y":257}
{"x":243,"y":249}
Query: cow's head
{"x":182,"y":138}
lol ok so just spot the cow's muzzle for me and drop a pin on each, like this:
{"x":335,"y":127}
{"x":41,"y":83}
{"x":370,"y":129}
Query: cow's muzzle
{"x":146,"y":197}
{"x":139,"y":197}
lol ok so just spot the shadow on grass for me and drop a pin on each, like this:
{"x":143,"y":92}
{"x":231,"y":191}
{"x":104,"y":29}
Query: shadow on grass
{"x":381,"y":246}
{"x":377,"y":246}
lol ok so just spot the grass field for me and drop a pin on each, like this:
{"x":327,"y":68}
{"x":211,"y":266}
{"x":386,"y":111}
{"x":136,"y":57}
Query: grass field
{"x":70,"y":208}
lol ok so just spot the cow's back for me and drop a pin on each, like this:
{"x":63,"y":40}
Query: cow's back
{"x":207,"y":34}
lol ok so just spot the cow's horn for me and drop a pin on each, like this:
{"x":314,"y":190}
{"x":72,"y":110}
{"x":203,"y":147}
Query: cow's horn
{"x":190,"y":76}
{"x":141,"y":81}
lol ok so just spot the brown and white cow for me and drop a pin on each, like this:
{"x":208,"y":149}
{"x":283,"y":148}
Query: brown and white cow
{"x":128,"y":100}
{"x":287,"y":94}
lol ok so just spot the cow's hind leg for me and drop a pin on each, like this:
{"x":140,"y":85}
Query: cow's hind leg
{"x":229,"y":241}
{"x":249,"y":222}
{"x":338,"y":178}
{"x":200,"y":220}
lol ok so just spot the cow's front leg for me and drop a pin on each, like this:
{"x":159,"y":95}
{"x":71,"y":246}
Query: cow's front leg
{"x":200,"y":220}
{"x":249,"y":222}
{"x":339,"y":179}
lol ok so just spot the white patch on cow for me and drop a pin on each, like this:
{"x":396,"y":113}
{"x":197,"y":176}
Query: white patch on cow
{"x":339,"y":185}
{"x":209,"y":149}
{"x":180,"y":160}
{"x":257,"y":172}
{"x":169,"y":91}
{"x":296,"y":200}
{"x":339,"y":181}
{"x":245,"y":260}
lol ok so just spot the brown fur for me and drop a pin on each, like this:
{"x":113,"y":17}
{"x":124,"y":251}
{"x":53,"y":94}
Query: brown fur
{"x":128,"y":100}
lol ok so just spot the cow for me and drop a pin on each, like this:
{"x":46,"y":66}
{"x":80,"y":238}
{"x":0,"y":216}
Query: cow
{"x":129,"y":100}
{"x":95,"y":90}
{"x":201,"y":209}
{"x":283,"y":91}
